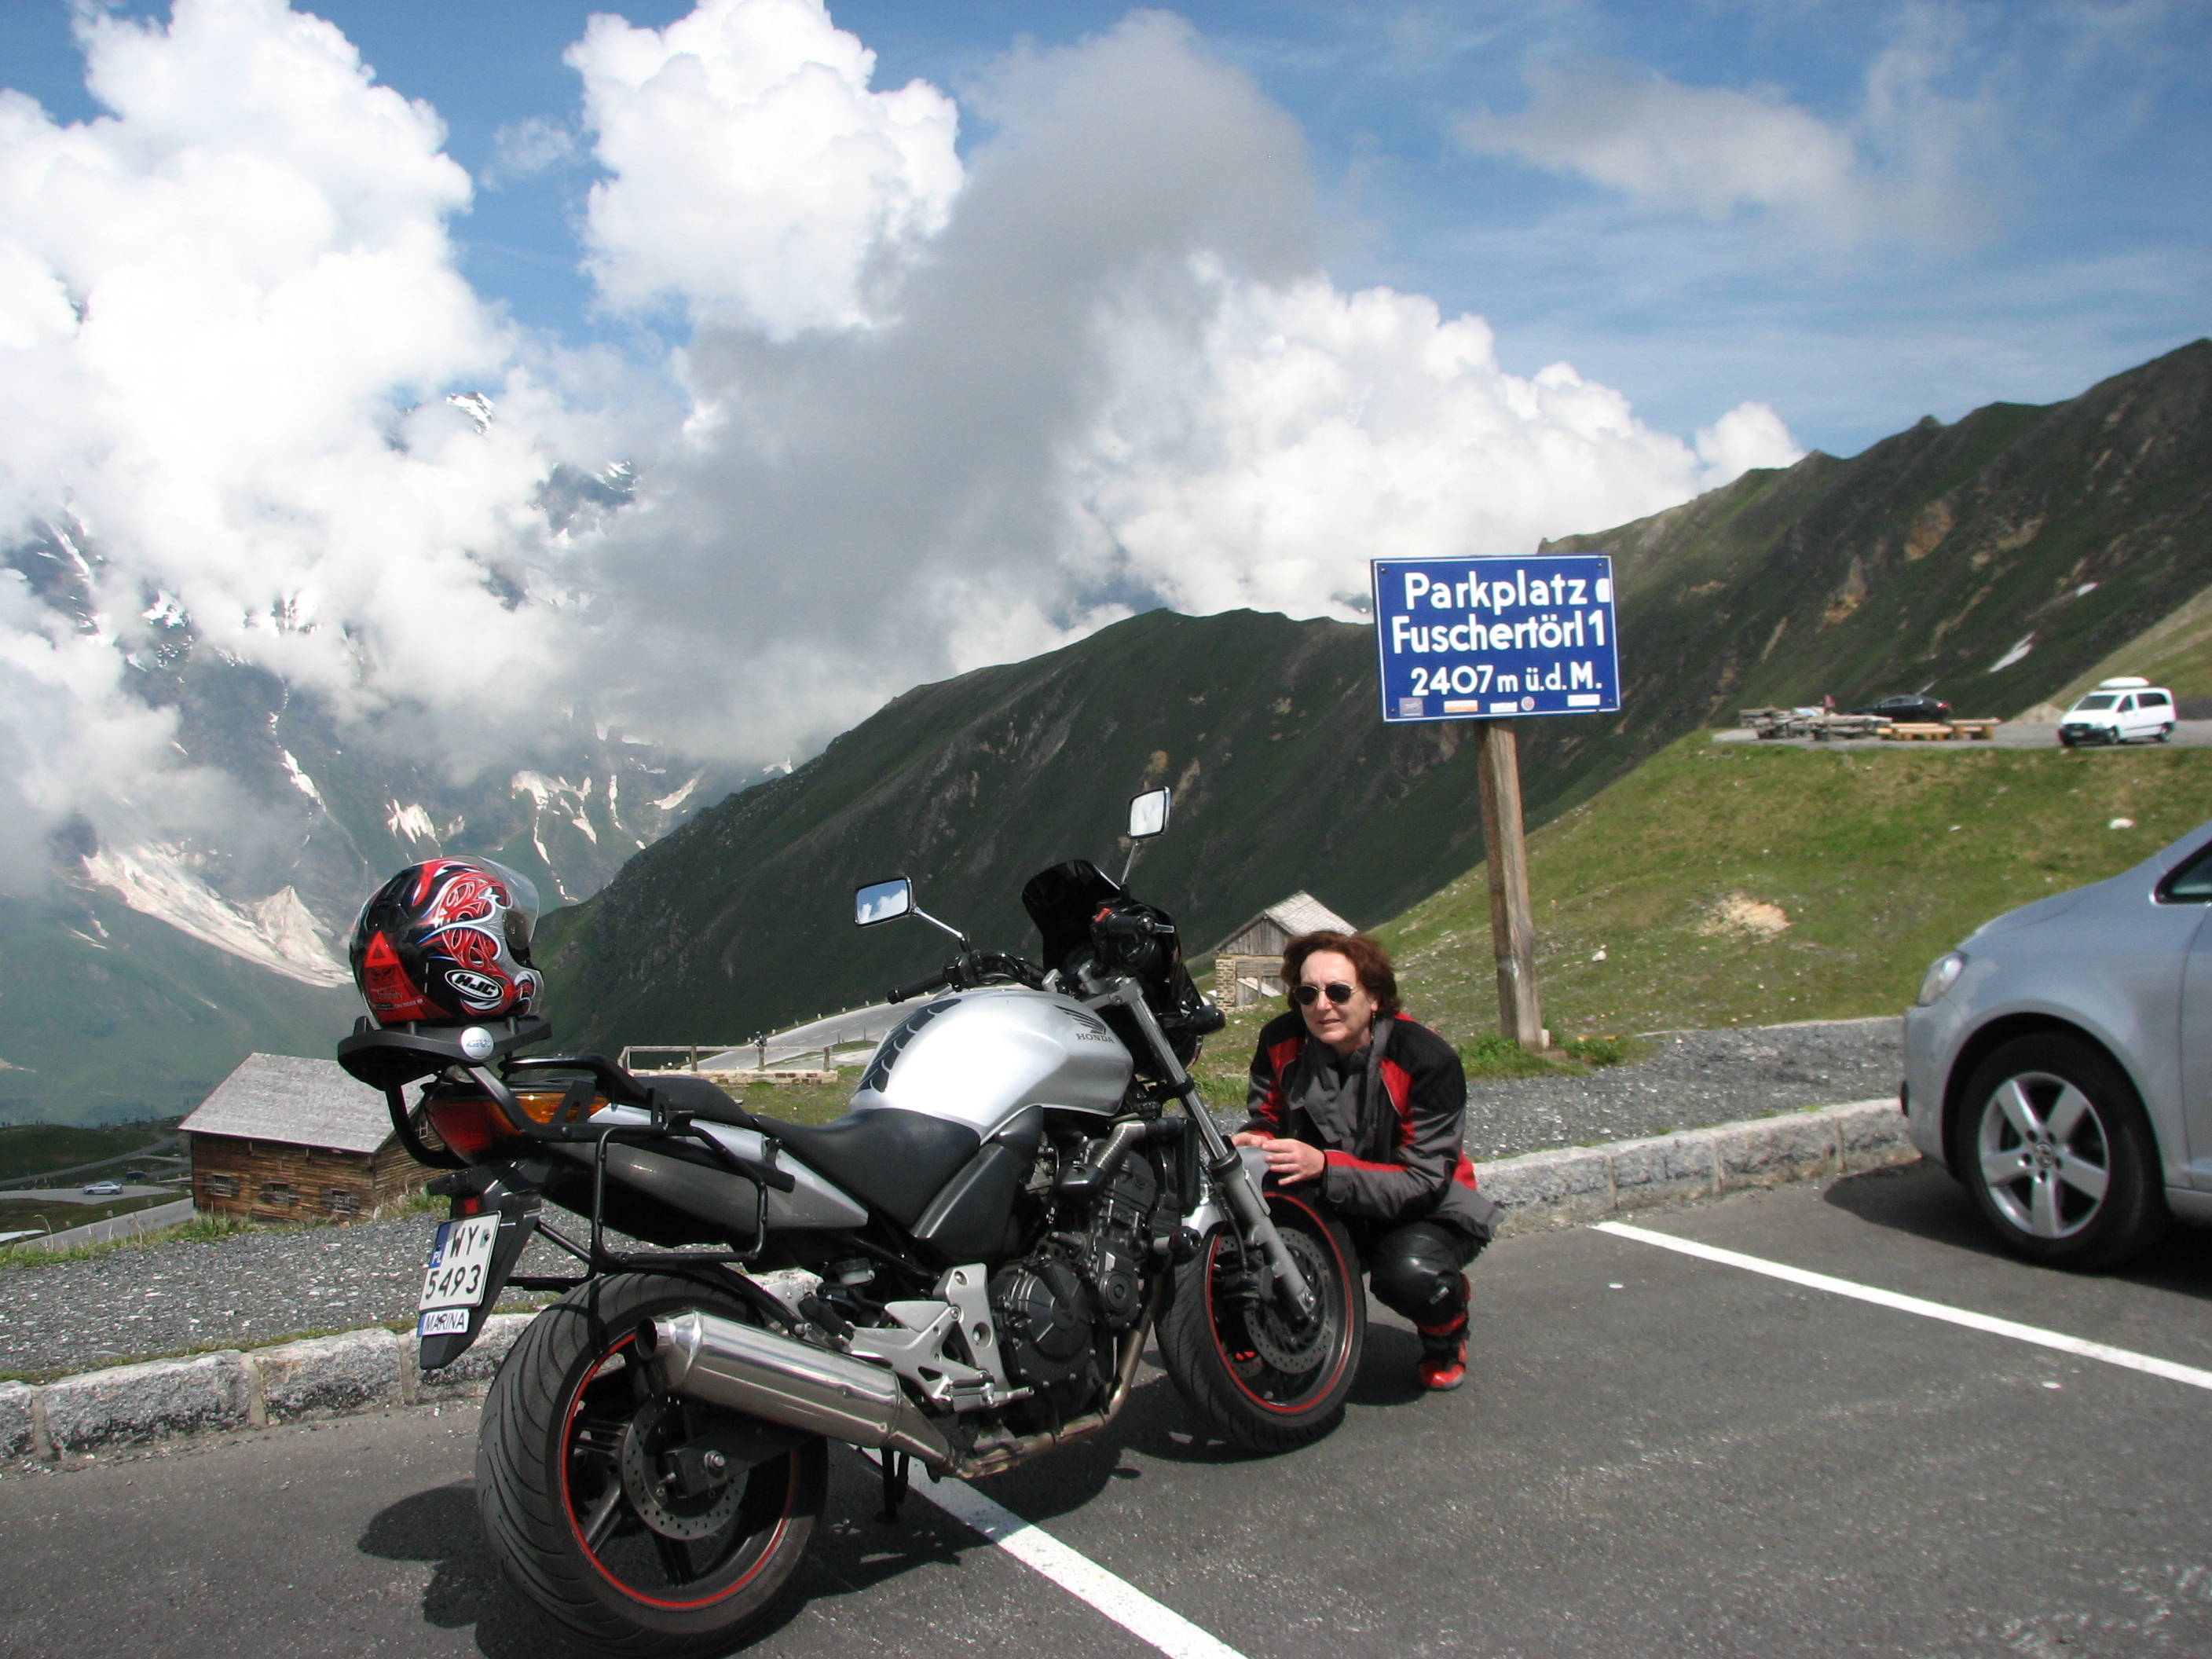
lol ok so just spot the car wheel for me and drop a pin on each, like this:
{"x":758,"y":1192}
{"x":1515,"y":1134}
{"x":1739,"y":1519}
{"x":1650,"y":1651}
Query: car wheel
{"x":2053,"y":1144}
{"x":2065,"y":742}
{"x":2165,"y":731}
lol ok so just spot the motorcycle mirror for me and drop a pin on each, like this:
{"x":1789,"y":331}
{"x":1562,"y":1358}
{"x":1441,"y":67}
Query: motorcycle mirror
{"x":880,"y":901}
{"x":1148,"y":814}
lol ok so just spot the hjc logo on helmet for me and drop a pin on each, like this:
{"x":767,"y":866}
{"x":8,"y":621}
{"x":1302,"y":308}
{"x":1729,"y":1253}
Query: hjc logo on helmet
{"x":447,"y":941}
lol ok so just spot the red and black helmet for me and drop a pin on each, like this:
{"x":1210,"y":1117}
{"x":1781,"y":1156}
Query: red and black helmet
{"x":447,"y":942}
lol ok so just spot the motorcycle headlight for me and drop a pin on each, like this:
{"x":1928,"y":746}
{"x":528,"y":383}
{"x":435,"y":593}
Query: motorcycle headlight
{"x":1942,"y":974}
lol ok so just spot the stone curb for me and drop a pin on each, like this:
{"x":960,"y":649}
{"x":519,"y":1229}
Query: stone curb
{"x":1578,"y":1185}
{"x":374,"y":1368}
{"x":363,"y":1371}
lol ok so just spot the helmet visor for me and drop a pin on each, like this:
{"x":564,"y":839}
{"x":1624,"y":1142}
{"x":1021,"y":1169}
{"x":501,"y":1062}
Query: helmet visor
{"x":521,"y":919}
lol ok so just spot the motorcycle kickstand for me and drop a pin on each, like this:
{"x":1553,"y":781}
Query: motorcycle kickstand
{"x":897,"y":1467}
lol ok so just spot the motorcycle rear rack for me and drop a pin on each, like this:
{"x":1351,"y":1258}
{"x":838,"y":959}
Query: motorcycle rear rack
{"x":392,"y":1057}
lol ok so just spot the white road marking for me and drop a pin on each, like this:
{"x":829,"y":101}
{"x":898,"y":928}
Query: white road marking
{"x":1913,"y":1304}
{"x":1079,"y":1576}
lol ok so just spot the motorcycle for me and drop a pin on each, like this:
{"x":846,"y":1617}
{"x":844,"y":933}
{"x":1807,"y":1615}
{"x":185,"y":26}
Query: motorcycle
{"x":1025,"y":1190}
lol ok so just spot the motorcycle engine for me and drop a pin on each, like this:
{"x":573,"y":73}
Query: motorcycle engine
{"x":1044,"y":1317}
{"x":1084,"y":1283}
{"x":1117,"y":1241}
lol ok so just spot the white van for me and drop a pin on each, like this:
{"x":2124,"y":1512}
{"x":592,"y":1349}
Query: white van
{"x":2122,"y":710}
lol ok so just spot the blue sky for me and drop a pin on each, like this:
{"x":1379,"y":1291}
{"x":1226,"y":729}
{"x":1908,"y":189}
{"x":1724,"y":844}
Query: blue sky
{"x":2036,"y":211}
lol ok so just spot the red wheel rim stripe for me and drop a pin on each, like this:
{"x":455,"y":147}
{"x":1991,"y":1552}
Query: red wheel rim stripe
{"x":568,"y":1508}
{"x":1214,"y":1330}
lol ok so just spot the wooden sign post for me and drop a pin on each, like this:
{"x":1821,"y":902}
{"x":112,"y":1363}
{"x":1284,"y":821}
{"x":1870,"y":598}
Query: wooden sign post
{"x":1490,"y":640}
{"x":1505,"y":850}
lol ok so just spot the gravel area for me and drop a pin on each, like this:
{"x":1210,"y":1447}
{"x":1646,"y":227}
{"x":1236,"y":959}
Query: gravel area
{"x":241,"y":1291}
{"x":1695,"y":1079}
{"x":254,"y":1288}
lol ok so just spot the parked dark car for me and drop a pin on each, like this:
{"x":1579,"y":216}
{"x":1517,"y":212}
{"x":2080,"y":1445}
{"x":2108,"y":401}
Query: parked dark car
{"x":1919,"y":710}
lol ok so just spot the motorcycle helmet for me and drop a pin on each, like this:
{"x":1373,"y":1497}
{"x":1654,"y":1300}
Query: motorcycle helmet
{"x":447,"y":942}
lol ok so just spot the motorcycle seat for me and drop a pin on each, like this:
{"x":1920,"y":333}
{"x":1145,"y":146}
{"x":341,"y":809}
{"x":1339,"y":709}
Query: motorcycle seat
{"x":896,"y":1162}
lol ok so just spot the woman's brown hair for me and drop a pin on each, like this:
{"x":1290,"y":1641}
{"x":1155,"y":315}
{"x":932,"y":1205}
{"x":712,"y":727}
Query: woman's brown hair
{"x":1369,"y":960}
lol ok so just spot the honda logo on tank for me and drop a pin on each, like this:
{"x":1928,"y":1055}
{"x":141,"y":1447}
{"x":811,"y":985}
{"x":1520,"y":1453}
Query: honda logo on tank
{"x":1463,"y":638}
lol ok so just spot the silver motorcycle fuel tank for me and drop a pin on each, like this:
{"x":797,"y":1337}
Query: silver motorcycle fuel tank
{"x":976,"y":1058}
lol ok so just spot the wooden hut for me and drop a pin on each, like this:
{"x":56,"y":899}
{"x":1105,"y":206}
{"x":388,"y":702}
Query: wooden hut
{"x":1248,"y":965}
{"x":283,"y":1139}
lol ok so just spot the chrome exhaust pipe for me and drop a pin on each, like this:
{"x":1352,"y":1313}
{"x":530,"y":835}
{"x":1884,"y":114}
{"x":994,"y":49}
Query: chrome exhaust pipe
{"x":742,"y":1368}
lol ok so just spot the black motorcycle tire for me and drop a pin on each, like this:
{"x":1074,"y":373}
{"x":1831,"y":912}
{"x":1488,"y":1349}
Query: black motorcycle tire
{"x":567,"y":1391}
{"x":1220,"y":1366}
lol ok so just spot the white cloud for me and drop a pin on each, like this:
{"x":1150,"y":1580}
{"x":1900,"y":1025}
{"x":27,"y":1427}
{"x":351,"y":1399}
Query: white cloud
{"x":934,"y":420}
{"x":753,"y":169}
{"x":1749,"y":436}
{"x":525,"y":148}
{"x":1312,"y":430}
{"x":1914,"y":160}
{"x":1712,"y":149}
{"x":220,"y":301}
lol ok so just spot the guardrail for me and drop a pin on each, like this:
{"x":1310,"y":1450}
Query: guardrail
{"x":847,"y":1029}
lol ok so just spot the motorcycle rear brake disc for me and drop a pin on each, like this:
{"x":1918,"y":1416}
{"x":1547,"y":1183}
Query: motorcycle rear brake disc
{"x":685,"y":1519}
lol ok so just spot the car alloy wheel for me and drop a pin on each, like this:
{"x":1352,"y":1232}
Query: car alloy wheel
{"x":2054,"y":1146}
{"x":2045,"y":1160}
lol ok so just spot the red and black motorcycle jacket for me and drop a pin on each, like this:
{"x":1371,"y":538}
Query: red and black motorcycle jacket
{"x":1403,"y":1159}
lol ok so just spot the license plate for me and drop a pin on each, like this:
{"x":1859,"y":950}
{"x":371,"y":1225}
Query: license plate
{"x":460,"y":1266}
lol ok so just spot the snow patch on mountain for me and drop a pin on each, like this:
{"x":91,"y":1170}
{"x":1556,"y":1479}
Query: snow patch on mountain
{"x":301,"y":781}
{"x":670,"y":803}
{"x":279,"y":932}
{"x":568,"y":800}
{"x":411,"y":822}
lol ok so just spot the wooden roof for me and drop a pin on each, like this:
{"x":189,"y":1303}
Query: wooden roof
{"x":301,"y":1103}
{"x":1301,"y":913}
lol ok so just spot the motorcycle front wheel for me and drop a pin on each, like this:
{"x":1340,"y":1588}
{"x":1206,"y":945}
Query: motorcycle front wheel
{"x":574,"y":1489}
{"x":1264,"y":1380}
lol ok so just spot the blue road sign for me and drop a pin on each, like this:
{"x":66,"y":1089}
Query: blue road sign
{"x":1465,"y":639}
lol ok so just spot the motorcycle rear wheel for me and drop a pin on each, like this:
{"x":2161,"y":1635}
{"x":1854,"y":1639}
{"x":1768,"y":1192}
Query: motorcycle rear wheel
{"x":568,"y":1532}
{"x":1262,"y":1382}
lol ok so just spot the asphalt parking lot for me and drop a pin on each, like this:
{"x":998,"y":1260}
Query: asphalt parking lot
{"x":1655,"y":1454}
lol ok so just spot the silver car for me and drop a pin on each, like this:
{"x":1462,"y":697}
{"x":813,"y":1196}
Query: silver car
{"x":2059,"y":1063}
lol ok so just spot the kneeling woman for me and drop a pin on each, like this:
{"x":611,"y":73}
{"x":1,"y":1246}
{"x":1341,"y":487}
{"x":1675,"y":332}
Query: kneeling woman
{"x":1349,"y":1091}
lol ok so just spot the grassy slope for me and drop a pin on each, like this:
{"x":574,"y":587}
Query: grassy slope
{"x":1858,"y":849}
{"x":45,"y":1215}
{"x":140,"y":1022}
{"x":2175,"y":652}
{"x":33,"y":1149}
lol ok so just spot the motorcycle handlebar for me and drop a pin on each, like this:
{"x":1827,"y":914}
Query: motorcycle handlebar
{"x":1114,"y":926}
{"x":943,"y":976}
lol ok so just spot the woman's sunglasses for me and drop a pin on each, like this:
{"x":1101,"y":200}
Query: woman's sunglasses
{"x":1306,"y":996}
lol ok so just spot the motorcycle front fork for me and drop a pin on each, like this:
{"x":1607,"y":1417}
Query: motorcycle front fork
{"x":1230,"y":1178}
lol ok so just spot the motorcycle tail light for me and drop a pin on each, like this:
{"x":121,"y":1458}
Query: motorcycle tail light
{"x":471,"y":1126}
